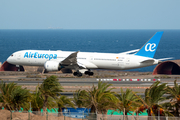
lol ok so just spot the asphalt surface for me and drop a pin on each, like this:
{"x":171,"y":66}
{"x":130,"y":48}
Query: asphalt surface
{"x":91,"y":81}
{"x":138,"y":83}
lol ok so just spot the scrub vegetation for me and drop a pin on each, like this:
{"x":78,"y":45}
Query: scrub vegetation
{"x":99,"y":98}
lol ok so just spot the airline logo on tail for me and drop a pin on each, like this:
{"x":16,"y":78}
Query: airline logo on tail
{"x":149,"y":49}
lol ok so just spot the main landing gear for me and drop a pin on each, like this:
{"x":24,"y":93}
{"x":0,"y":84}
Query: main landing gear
{"x":89,"y":73}
{"x":79,"y":74}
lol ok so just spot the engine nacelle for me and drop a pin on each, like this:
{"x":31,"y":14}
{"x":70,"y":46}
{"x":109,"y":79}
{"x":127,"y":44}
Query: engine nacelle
{"x":52,"y":66}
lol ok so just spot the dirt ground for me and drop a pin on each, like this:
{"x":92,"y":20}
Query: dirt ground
{"x":34,"y":74}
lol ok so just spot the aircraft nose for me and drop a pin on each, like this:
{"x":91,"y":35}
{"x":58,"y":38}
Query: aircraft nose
{"x":10,"y":59}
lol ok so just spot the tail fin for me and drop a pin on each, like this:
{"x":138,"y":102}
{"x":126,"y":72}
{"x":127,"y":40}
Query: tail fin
{"x":149,"y":49}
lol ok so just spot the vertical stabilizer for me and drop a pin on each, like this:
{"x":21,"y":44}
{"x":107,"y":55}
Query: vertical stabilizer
{"x":149,"y":49}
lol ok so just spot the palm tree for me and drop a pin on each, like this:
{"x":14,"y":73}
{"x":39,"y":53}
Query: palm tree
{"x":63,"y":102}
{"x":6,"y":90}
{"x":14,"y":97}
{"x":100,"y":99}
{"x":37,"y":100}
{"x":153,"y":96}
{"x":50,"y":88}
{"x":79,"y":96}
{"x":175,"y":97}
{"x":127,"y":101}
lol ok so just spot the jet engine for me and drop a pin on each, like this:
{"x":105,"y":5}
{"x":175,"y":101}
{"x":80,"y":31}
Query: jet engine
{"x":52,"y":66}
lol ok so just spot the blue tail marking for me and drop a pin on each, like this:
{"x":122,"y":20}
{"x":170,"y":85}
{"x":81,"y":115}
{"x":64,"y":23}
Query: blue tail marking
{"x":149,"y":49}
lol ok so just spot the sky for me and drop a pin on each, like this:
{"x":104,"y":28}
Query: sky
{"x":89,"y":14}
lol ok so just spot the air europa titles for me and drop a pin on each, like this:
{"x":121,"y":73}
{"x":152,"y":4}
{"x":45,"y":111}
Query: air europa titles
{"x":39,"y":55}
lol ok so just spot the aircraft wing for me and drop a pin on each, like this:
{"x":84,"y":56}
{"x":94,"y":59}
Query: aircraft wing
{"x":71,"y":61}
{"x":131,"y":51}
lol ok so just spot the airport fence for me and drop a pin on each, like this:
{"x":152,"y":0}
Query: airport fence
{"x":37,"y":115}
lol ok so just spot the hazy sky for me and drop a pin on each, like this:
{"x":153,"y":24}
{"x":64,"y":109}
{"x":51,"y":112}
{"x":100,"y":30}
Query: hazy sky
{"x":90,"y":14}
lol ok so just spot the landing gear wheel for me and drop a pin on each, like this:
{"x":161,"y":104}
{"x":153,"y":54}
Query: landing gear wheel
{"x":86,"y":72}
{"x":78,"y":74}
{"x":89,"y":73}
{"x":75,"y":73}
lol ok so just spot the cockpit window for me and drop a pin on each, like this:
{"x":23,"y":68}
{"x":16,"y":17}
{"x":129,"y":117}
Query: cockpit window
{"x":12,"y":55}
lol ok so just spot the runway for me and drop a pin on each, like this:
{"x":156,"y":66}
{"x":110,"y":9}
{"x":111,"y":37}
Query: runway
{"x":91,"y":81}
{"x":136,"y":83}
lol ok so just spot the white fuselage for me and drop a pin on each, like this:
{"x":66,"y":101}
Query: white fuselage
{"x":89,"y":60}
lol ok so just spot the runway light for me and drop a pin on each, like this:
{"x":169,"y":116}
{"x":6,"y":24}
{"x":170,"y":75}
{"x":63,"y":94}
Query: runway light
{"x":114,"y":79}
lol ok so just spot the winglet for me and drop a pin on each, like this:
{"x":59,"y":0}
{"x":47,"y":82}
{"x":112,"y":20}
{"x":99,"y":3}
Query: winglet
{"x":149,"y":49}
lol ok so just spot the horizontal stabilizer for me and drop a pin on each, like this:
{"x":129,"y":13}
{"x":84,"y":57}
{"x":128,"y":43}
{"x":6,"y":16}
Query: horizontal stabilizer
{"x":165,"y":58}
{"x":148,"y":61}
{"x":131,"y":51}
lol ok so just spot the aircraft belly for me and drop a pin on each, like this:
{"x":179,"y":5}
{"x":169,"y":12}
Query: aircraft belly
{"x":86,"y":64}
{"x":33,"y":62}
{"x":107,"y":65}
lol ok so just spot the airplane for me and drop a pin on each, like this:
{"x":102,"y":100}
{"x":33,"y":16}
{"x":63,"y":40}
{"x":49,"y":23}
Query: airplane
{"x":83,"y":62}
